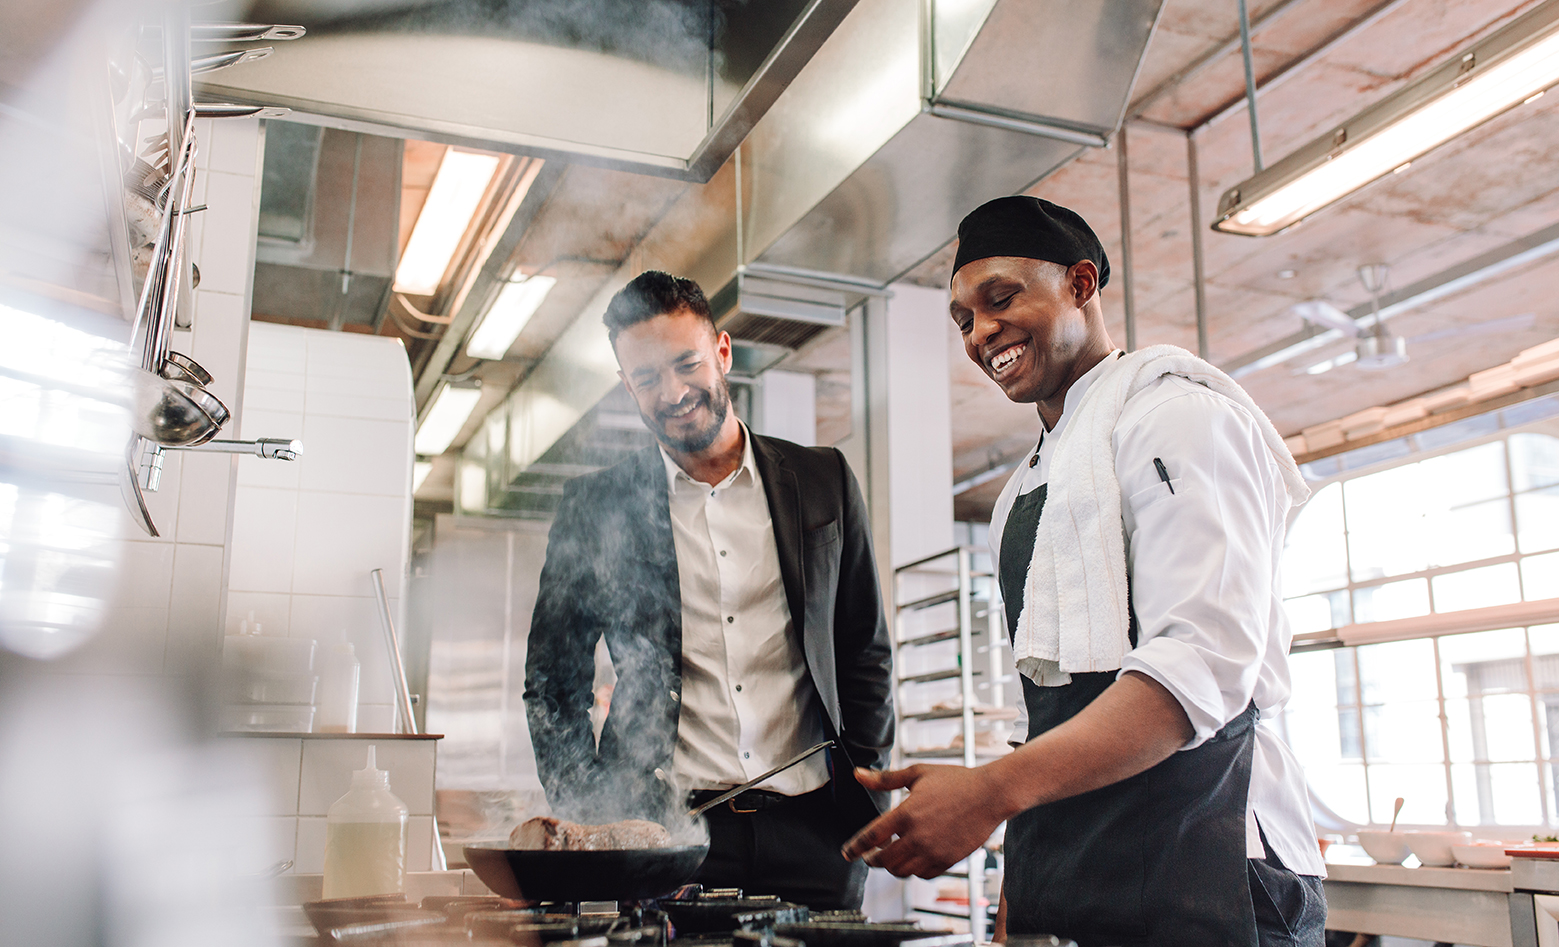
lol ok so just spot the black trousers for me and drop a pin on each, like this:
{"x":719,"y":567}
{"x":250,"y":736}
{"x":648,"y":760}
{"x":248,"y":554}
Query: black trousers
{"x":1290,"y":908}
{"x":784,"y":845}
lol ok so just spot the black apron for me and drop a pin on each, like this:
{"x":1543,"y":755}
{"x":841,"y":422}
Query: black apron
{"x":1155,"y":859}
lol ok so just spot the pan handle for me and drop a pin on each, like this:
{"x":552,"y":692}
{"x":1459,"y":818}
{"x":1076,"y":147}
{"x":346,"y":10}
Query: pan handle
{"x":732,"y":794}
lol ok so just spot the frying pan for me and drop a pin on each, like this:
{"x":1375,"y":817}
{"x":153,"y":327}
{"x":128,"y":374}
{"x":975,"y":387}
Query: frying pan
{"x":619,"y":875}
{"x":583,"y":876}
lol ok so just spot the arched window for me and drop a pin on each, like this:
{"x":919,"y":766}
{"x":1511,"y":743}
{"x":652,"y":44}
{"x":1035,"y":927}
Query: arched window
{"x":1463,"y":726}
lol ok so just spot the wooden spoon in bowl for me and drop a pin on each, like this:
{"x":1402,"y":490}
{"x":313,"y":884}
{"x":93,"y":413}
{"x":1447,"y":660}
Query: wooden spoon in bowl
{"x":1395,"y":811}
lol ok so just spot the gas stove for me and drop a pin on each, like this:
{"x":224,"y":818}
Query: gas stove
{"x":694,"y":917}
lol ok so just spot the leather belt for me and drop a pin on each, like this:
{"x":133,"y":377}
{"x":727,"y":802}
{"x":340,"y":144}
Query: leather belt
{"x":750,"y":801}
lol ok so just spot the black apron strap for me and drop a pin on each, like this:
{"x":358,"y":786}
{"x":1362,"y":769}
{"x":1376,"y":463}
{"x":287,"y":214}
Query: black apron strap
{"x":1155,"y":859}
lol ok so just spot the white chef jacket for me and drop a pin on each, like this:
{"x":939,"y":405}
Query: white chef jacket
{"x":1203,"y":562}
{"x":748,"y":702}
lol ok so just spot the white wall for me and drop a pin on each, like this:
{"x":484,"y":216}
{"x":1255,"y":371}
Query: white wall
{"x":307,"y":533}
{"x":919,"y":422}
{"x":302,"y":776}
{"x":787,"y":406}
{"x":167,"y":612}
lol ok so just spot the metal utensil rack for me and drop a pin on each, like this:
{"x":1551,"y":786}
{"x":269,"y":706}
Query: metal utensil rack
{"x":171,"y":406}
{"x":948,"y":597}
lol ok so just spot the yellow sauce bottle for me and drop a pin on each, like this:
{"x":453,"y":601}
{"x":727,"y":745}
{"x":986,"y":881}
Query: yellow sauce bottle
{"x":365,"y":838}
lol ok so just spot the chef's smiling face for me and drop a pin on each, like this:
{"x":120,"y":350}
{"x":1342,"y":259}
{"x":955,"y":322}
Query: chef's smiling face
{"x":1031,"y":325}
{"x":674,"y":367}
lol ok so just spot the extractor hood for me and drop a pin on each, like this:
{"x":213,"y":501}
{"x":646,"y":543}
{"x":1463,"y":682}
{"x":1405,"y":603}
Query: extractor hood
{"x":905,"y":119}
{"x":658,"y":86}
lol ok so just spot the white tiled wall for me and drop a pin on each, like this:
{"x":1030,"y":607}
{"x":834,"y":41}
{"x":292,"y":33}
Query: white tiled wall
{"x":168,"y":608}
{"x":307,"y":534}
{"x":305,"y":775}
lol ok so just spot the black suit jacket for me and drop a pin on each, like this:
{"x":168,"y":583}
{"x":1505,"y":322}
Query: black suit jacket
{"x":611,"y":570}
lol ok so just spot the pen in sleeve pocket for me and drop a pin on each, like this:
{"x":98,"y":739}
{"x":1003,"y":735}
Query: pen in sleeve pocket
{"x":1163,"y":474}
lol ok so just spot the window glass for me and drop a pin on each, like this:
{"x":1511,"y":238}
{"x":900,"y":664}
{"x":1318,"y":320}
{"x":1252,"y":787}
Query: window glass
{"x":1387,"y":522}
{"x":1342,"y":788}
{"x":1464,"y":727}
{"x":1397,"y":671}
{"x":1515,"y":788}
{"x":1477,"y":473}
{"x":1477,"y":588}
{"x":1538,"y":514}
{"x":1475,"y":654}
{"x":1403,"y":732}
{"x":1497,"y":794}
{"x":1540,"y":577}
{"x":1469,"y":533}
{"x":1544,"y":640}
{"x":1314,"y":735}
{"x":1317,"y":612}
{"x":1313,"y":675}
{"x":1315,"y":552}
{"x":1407,"y":599}
{"x":1534,"y":460}
{"x":1421,"y":787}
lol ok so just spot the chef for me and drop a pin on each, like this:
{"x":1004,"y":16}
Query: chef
{"x":1137,"y":551}
{"x":731,"y":576}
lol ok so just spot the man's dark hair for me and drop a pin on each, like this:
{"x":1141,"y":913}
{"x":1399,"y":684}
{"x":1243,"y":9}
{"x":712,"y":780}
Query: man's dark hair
{"x":654,"y":293}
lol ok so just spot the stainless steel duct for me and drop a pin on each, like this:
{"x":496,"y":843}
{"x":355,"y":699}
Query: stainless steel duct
{"x":329,"y":213}
{"x":907,"y":117}
{"x":660,"y":86}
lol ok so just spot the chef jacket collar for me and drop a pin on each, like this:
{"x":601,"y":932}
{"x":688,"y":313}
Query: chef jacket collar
{"x":678,"y":479}
{"x":1074,"y":395}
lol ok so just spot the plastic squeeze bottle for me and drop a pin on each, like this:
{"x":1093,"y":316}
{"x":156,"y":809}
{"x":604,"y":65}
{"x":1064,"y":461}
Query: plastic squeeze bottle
{"x":365,"y":838}
{"x":339,"y":671}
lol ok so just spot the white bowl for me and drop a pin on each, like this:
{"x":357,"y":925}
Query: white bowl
{"x":1482,"y":854}
{"x":1387,"y":848}
{"x":1434,"y":848}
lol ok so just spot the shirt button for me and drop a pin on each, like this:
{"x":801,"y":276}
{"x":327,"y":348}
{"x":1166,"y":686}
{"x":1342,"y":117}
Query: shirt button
{"x":746,"y":756}
{"x":675,"y":696}
{"x":729,"y":619}
{"x":722,"y":552}
{"x":738,"y":688}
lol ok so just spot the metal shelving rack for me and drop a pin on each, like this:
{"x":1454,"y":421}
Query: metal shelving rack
{"x":953,"y":577}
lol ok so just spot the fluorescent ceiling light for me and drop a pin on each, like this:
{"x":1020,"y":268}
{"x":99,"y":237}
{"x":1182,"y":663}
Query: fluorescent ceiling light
{"x":1501,"y":72}
{"x":444,"y":420}
{"x":419,"y":472}
{"x":501,"y":324}
{"x":452,"y":201}
{"x":1320,"y":368}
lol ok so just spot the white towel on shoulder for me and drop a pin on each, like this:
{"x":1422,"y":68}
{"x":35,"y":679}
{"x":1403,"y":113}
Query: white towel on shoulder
{"x":1075,"y":614}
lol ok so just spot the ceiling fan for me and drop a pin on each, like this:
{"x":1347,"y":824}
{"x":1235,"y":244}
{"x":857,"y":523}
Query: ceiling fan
{"x":1375,"y":346}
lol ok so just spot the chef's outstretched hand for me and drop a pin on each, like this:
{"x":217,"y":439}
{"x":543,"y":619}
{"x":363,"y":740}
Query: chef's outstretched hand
{"x":950,"y":812}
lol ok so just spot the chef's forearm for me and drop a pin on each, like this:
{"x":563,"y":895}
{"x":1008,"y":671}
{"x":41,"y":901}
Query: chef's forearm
{"x":1131,"y":727}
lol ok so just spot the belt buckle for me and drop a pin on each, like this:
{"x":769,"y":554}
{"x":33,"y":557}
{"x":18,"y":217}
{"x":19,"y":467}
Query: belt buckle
{"x":731,"y":803}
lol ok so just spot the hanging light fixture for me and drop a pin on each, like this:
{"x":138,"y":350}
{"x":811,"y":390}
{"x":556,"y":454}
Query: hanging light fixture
{"x":1512,"y":66}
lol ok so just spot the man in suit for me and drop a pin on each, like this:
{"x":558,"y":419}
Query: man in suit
{"x":732,"y":578}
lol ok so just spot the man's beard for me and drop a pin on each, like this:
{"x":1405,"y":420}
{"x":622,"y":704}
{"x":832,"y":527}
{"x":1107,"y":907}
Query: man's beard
{"x":719,"y":403}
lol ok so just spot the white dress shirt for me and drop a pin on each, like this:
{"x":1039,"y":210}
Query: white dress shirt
{"x":1203,"y":562}
{"x":748,"y":702}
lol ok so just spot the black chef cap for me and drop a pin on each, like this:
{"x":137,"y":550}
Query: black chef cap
{"x":1029,"y":227}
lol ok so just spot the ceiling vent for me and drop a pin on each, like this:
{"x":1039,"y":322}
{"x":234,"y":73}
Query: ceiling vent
{"x":780,"y":313}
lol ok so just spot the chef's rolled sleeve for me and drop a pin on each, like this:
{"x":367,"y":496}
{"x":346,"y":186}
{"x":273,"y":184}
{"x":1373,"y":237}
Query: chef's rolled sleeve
{"x":1201,"y":554}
